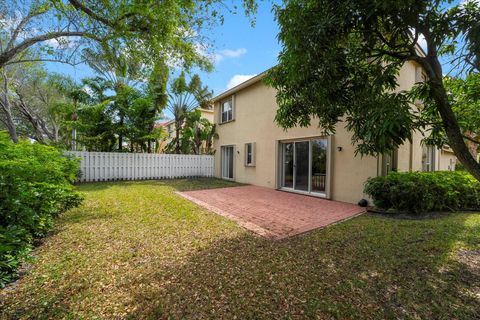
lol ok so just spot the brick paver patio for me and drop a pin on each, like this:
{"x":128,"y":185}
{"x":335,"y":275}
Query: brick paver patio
{"x":271,"y":213}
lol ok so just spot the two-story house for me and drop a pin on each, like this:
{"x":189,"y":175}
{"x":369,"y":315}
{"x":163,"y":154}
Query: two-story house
{"x":252,"y":148}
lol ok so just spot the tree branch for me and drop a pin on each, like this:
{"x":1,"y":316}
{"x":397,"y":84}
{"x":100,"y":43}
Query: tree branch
{"x":20,"y":26}
{"x":73,"y":64}
{"x":10,"y":54}
{"x":79,"y":6}
{"x":471,"y":139}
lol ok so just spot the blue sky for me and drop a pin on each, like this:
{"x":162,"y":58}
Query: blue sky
{"x":241,"y":50}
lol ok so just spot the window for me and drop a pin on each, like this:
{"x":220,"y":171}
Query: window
{"x":249,"y":154}
{"x":389,"y":162}
{"x":226,"y":111}
{"x":428,"y":158}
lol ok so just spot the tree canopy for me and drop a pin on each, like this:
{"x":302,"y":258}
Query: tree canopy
{"x":340,"y":61}
{"x":58,"y":30}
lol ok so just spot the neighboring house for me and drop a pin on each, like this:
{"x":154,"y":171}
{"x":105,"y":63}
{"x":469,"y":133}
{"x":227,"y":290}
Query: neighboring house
{"x":252,"y":149}
{"x":170,"y":127}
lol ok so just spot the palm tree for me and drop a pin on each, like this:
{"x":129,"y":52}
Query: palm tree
{"x":119,"y":69}
{"x":183,"y":98}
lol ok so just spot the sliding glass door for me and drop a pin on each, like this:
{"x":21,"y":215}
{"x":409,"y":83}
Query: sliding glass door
{"x":304,"y":166}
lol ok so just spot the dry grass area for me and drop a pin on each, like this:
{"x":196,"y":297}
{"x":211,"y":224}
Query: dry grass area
{"x":136,"y":250}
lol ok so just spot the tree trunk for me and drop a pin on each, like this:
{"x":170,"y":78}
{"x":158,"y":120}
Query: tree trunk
{"x":453,"y":131}
{"x":5,"y":104}
{"x":177,"y":139}
{"x":120,"y":135}
{"x":432,"y":66}
{"x":12,"y":130}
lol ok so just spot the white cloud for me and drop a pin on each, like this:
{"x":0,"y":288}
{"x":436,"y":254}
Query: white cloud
{"x":229,"y":53}
{"x":238,"y":79}
{"x":233,"y":53}
{"x":62,"y":42}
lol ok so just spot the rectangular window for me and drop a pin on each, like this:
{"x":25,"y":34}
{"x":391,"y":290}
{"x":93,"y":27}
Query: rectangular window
{"x":428,"y":158}
{"x":249,"y":154}
{"x":226,"y":111}
{"x":389,"y":162}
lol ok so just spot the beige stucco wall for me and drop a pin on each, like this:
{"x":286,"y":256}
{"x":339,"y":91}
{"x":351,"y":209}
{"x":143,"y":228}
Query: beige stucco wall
{"x":446,"y":160}
{"x":255,"y":109}
{"x":207,"y":114}
{"x":254,"y":112}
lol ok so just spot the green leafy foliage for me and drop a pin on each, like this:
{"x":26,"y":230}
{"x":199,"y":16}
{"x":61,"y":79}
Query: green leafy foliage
{"x":195,"y":136}
{"x":464,"y":97}
{"x":152,"y":254}
{"x":341,"y":60}
{"x":35,"y":187}
{"x":185,"y":96}
{"x":420,"y":192}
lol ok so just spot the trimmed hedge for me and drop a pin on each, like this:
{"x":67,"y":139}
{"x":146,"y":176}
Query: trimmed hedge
{"x":420,"y":192}
{"x":35,"y":187}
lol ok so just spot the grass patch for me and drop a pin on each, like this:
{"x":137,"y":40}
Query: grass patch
{"x":136,"y":250}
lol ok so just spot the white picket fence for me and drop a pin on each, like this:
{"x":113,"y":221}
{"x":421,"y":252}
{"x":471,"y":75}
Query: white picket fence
{"x":109,"y":166}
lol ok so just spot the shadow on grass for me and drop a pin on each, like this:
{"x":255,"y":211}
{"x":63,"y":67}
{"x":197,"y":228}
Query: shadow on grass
{"x":369,"y":267}
{"x":186,"y":184}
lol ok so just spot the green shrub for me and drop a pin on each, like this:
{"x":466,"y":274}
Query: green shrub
{"x":35,"y":187}
{"x":419,"y":192}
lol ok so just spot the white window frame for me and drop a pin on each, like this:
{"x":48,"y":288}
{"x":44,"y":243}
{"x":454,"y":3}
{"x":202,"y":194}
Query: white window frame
{"x":252,"y":152}
{"x":232,"y":110}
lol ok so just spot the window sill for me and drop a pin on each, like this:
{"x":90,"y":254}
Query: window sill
{"x":225,"y":122}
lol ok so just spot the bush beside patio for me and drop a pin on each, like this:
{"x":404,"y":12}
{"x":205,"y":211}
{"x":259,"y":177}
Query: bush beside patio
{"x":421,"y":192}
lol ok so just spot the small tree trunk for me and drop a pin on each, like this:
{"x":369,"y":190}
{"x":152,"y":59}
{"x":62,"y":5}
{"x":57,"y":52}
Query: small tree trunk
{"x":12,"y":130}
{"x":5,"y":104}
{"x":120,"y":135}
{"x":177,"y":140}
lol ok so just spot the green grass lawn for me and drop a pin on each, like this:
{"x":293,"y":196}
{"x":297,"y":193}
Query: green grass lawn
{"x":137,"y":250}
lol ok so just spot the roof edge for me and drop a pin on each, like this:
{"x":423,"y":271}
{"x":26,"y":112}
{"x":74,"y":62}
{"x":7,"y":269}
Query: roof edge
{"x":241,"y":86}
{"x":263,"y":74}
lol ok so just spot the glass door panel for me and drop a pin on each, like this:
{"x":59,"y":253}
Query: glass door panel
{"x":227,"y":162}
{"x":287,"y":165}
{"x":302,"y":157}
{"x":319,"y":165}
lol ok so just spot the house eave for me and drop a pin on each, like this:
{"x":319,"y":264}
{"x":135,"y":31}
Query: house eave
{"x":239,"y":87}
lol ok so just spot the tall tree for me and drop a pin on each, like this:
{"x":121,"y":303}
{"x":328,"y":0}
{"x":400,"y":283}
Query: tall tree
{"x":120,"y":70}
{"x":59,"y":29}
{"x":183,"y":98}
{"x":39,"y":101}
{"x":340,"y":60}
